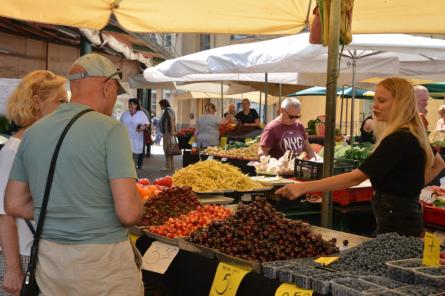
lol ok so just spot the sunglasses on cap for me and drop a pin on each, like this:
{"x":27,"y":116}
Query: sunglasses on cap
{"x":118,"y":73}
{"x":81,"y":75}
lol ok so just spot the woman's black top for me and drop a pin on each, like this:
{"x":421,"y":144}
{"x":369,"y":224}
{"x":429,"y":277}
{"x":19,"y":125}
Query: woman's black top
{"x":364,"y":135}
{"x":249,"y":118}
{"x":397,"y":166}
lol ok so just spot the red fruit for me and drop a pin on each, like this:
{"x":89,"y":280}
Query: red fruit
{"x":144,"y":181}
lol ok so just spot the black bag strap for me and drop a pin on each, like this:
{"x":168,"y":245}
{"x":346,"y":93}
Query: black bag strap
{"x":49,"y":182}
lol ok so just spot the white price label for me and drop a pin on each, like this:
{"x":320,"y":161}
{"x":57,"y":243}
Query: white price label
{"x":159,"y":257}
{"x":210,"y":157}
{"x":223,"y":159}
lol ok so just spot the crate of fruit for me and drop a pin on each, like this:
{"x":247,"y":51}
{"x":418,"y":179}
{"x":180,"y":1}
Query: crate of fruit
{"x":303,"y":278}
{"x":430,"y":276}
{"x":433,"y":215}
{"x":403,"y":270}
{"x":311,"y":170}
{"x":353,"y":287}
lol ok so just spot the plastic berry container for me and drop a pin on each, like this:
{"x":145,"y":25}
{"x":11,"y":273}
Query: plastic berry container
{"x":403,"y":270}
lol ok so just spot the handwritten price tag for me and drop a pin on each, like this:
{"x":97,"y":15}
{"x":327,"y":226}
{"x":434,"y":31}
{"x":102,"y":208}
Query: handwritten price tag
{"x":431,"y":250}
{"x":159,"y":257}
{"x":227,"y":279}
{"x":325,"y":261}
{"x":210,"y":157}
{"x":292,"y":290}
{"x":223,"y":141}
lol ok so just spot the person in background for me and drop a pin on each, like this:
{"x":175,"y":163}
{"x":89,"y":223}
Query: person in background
{"x":422,"y":96}
{"x":286,"y":132}
{"x":400,"y":166}
{"x":247,"y":116}
{"x":84,"y":247}
{"x":229,"y":116}
{"x":207,"y":127}
{"x":38,"y":94}
{"x":440,"y":126}
{"x":136,"y":122}
{"x":366,"y":130}
{"x":168,"y":129}
{"x":155,"y":121}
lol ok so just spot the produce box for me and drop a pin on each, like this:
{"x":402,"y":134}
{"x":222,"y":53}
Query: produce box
{"x":307,"y":170}
{"x":303,"y":279}
{"x":321,"y":283}
{"x":353,"y":287}
{"x":433,"y":215}
{"x":420,"y":290}
{"x":430,"y":276}
{"x":383,"y":281}
{"x":403,"y":270}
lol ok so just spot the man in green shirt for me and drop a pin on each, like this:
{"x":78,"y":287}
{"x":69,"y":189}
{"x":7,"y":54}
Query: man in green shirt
{"x":85,"y":248}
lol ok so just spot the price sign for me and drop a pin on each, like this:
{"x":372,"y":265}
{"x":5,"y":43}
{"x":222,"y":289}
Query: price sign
{"x":223,"y":141}
{"x":223,"y":159}
{"x":210,"y":157}
{"x":325,"y":261}
{"x":159,"y":257}
{"x":292,"y":290}
{"x":227,"y":279}
{"x":431,"y":250}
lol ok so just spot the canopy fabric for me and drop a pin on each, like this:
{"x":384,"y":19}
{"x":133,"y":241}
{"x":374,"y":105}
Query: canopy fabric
{"x":346,"y":92}
{"x":233,"y":17}
{"x":252,"y":96}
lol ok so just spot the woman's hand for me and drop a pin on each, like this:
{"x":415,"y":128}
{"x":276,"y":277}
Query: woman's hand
{"x":12,"y":281}
{"x":292,"y":191}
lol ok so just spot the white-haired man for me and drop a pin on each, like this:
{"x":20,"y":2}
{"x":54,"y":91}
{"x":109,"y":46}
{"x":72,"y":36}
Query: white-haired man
{"x":285,"y":132}
{"x":422,"y":96}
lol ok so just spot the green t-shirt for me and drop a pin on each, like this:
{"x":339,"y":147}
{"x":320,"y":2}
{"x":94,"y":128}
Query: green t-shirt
{"x":96,"y":149}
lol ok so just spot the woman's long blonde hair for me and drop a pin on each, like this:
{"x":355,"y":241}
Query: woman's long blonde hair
{"x":21,"y":107}
{"x":404,"y":113}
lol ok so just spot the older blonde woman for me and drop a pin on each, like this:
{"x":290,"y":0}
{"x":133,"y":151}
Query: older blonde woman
{"x":400,"y":166}
{"x":440,"y":126}
{"x":38,"y":94}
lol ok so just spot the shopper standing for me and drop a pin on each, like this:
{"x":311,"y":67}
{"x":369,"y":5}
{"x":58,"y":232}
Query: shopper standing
{"x":207,"y":127}
{"x":38,"y":94}
{"x":168,"y":129}
{"x":400,"y":166}
{"x":84,"y":247}
{"x":136,"y":122}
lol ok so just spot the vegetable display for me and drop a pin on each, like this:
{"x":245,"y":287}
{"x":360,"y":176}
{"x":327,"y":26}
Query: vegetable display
{"x":240,"y":151}
{"x":212,"y":175}
{"x":186,"y":224}
{"x":171,"y":202}
{"x":259,"y":232}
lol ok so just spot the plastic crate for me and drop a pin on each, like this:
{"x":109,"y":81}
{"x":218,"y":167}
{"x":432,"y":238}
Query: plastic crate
{"x":433,"y":215}
{"x":349,"y":287}
{"x":403,"y":270}
{"x":321,"y":284}
{"x":423,"y":277}
{"x":270,"y":269}
{"x":311,"y":170}
{"x":420,"y":290}
{"x":383,"y":281}
{"x":303,"y":278}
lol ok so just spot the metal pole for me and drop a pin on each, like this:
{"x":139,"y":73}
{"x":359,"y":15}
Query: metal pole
{"x":333,"y":55}
{"x":346,"y":115}
{"x":85,"y":46}
{"x":354,"y":65}
{"x":260,"y":103}
{"x":279,"y":98}
{"x":341,"y":110}
{"x":266,"y":90}
{"x":222,"y":98}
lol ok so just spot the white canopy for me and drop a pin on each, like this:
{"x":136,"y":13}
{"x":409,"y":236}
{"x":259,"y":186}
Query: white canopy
{"x":408,"y":56}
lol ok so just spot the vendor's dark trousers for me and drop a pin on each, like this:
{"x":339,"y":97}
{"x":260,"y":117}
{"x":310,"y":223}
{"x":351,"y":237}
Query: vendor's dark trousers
{"x":138,"y":160}
{"x":399,"y":214}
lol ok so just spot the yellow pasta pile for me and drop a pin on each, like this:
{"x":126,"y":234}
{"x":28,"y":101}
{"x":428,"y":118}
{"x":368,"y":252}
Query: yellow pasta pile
{"x":212,"y":175}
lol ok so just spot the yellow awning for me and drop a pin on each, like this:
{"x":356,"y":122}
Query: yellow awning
{"x":212,"y":16}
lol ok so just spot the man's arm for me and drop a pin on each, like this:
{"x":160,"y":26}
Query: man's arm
{"x":438,"y":166}
{"x":308,"y":148}
{"x":18,"y":200}
{"x":128,"y":204}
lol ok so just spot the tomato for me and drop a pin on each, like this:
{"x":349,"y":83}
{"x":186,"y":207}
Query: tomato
{"x":166,"y":181}
{"x":144,"y":181}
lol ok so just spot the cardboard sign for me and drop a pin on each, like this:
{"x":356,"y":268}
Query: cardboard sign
{"x":159,"y":257}
{"x":292,"y":290}
{"x":431,"y":250}
{"x":227,"y":279}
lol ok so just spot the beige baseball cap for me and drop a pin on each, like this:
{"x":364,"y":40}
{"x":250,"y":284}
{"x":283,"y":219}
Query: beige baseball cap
{"x":96,"y":65}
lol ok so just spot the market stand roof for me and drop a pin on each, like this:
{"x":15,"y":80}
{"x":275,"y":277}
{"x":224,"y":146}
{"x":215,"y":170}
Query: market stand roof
{"x":233,"y":17}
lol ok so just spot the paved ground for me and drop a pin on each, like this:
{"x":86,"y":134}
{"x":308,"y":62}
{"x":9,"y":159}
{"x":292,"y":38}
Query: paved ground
{"x":152,"y":165}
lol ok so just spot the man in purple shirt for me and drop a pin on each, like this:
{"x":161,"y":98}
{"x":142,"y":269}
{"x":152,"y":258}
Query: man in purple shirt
{"x":285,"y":132}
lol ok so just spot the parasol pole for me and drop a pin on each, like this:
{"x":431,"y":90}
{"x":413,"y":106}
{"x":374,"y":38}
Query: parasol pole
{"x":332,"y":74}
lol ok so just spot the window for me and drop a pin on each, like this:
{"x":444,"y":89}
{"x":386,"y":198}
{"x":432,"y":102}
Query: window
{"x":204,"y":41}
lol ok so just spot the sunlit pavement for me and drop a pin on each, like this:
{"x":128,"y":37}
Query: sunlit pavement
{"x":152,"y":165}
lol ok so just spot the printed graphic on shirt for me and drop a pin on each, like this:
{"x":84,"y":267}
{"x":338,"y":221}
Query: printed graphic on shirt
{"x":293,"y":141}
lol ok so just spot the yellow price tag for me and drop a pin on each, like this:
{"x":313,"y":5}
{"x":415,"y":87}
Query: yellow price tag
{"x":325,"y":261}
{"x":247,"y":140}
{"x":292,"y":290}
{"x":223,"y":141}
{"x":227,"y":279}
{"x":431,"y":250}
{"x":192,"y":140}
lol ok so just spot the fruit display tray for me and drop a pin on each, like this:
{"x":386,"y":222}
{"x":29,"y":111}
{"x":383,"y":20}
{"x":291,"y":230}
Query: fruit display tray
{"x":424,"y":276}
{"x":161,"y":238}
{"x":185,"y":245}
{"x":403,"y":270}
{"x":251,"y":265}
